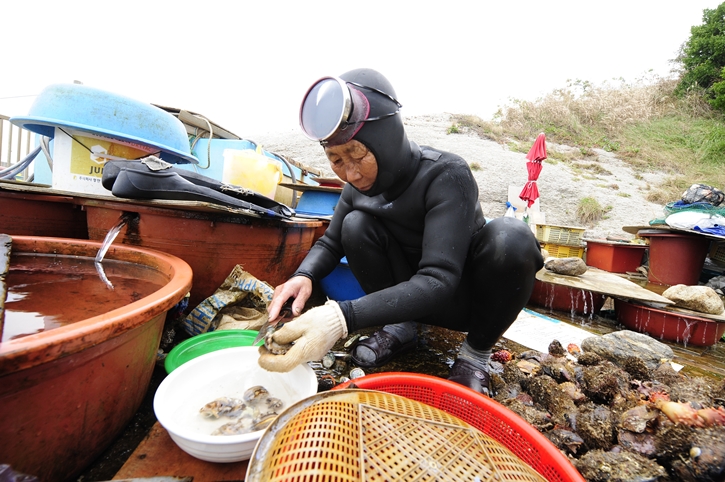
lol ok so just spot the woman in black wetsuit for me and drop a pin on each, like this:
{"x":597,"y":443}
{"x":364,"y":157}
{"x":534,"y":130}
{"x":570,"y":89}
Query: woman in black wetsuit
{"x":411,"y":226}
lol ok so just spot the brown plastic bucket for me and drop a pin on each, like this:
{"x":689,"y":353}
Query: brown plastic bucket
{"x":67,"y":392}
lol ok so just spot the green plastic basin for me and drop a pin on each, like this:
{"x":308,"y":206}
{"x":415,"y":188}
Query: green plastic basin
{"x":207,"y":343}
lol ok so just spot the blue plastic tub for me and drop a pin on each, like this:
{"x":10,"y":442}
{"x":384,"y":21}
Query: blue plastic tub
{"x":89,"y":110}
{"x":318,"y":203}
{"x":341,"y":285}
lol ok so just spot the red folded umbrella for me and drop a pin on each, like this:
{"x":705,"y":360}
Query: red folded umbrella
{"x":530,"y":192}
{"x":534,"y":169}
{"x":538,"y":150}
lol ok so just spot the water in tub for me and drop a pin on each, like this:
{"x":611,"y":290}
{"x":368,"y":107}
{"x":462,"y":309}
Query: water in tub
{"x":48,"y":291}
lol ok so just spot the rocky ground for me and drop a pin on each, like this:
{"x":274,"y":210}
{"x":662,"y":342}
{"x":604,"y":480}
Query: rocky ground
{"x":613,"y":184}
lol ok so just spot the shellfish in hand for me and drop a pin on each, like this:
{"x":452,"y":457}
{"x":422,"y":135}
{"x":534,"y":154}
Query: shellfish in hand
{"x":268,"y":329}
{"x":272,"y":346}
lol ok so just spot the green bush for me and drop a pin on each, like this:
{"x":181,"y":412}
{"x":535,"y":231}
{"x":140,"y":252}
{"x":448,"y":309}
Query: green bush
{"x":703,"y":58}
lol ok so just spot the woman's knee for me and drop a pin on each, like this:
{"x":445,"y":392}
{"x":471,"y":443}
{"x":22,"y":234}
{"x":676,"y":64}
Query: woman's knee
{"x":355,"y":226}
{"x":355,"y":220}
{"x":509,"y":242}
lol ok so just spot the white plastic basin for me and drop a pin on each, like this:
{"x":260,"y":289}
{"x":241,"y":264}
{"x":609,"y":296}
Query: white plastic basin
{"x":223,"y":373}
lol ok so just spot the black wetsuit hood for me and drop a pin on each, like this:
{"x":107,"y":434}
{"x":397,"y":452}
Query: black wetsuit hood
{"x":385,"y":138}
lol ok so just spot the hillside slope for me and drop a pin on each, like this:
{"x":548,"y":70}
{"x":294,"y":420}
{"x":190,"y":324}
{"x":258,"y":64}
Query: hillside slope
{"x":561,"y":187}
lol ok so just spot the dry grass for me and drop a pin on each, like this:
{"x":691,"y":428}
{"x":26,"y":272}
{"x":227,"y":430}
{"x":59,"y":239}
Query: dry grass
{"x":643,"y":122}
{"x":589,"y":211}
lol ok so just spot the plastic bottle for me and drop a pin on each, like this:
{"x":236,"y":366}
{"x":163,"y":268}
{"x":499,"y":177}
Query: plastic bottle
{"x":510,"y":211}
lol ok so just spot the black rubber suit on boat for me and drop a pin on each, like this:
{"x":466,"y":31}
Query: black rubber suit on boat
{"x":418,"y":242}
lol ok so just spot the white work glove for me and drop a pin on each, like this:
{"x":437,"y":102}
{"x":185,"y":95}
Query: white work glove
{"x":313,"y":334}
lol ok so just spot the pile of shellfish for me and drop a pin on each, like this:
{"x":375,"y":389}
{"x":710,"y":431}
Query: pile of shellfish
{"x":254,"y":411}
{"x":617,"y":423}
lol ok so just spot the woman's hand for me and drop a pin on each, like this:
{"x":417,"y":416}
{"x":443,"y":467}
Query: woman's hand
{"x":299,"y":288}
{"x":311,"y":335}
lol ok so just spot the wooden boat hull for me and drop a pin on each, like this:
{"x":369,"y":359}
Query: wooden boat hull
{"x":212,"y":243}
{"x":33,"y":214}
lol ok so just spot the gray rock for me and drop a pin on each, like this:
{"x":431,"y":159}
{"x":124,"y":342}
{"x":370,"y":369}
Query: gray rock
{"x":702,"y":299}
{"x":717,"y":283}
{"x":618,"y":346}
{"x":569,"y":266}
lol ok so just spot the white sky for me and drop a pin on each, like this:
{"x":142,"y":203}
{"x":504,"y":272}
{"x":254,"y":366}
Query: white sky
{"x":246,"y":65}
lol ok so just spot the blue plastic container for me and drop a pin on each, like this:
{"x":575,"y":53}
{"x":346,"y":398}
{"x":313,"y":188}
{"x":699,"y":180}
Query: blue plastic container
{"x":317,"y":203}
{"x":341,"y":285}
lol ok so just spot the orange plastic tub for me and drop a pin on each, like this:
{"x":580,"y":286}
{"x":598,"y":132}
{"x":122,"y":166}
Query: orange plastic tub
{"x":615,"y":257}
{"x":675,"y":258}
{"x":67,"y":392}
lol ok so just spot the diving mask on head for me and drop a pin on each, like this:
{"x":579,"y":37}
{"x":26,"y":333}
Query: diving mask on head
{"x":334,"y":110}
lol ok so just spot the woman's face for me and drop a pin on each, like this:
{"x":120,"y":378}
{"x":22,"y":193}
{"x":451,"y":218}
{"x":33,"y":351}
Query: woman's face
{"x":353,"y":163}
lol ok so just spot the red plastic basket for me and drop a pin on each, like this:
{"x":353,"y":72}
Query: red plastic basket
{"x":481,"y":412}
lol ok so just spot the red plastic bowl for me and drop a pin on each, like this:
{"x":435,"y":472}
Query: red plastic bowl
{"x":667,"y":325}
{"x":481,"y":412}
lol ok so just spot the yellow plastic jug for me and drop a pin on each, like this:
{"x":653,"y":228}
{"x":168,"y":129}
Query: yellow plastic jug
{"x":251,"y":169}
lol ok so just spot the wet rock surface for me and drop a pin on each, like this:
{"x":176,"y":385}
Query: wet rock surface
{"x":620,"y":422}
{"x":603,"y":466}
{"x":620,"y":345}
